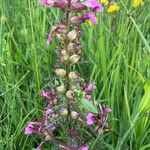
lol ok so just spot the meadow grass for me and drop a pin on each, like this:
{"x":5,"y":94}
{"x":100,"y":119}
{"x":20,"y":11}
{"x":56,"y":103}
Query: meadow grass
{"x":116,"y":56}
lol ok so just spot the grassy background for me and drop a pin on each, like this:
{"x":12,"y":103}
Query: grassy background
{"x":116,"y":56}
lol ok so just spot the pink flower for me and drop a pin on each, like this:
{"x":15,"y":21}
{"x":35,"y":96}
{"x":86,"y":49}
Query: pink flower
{"x":88,"y":97}
{"x":90,"y":119}
{"x":49,"y":40}
{"x":94,"y":5}
{"x":50,"y":96}
{"x":90,"y":16}
{"x":48,"y":111}
{"x":81,"y":19}
{"x":84,"y":147}
{"x":48,"y":3}
{"x":29,"y":129}
{"x":90,"y":87}
{"x":39,"y":147}
{"x":107,"y":110}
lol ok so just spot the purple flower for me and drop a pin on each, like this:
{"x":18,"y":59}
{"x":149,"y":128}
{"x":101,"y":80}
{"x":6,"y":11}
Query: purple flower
{"x":39,"y":147}
{"x":94,"y":5}
{"x":107,"y":110}
{"x":88,"y":97}
{"x":48,"y":111}
{"x":90,"y":119}
{"x":49,"y":40}
{"x":84,"y":147}
{"x":90,"y":87}
{"x":29,"y":129}
{"x":48,"y":3}
{"x":91,"y":17}
{"x":50,"y":96}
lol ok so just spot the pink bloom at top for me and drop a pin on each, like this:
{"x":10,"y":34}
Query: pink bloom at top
{"x":94,"y":5}
{"x":48,"y":3}
{"x":91,"y":17}
{"x":84,"y":147}
{"x":90,"y":119}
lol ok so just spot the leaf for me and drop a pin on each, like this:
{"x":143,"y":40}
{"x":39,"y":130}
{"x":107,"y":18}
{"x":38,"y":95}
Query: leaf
{"x":89,"y":106}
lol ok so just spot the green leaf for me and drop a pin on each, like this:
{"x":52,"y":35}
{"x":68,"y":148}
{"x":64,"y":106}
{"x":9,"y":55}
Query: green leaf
{"x":89,"y":106}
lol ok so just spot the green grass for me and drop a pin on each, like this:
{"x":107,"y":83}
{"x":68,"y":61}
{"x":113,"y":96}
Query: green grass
{"x":116,"y":56}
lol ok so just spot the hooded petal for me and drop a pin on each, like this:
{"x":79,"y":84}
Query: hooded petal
{"x":90,"y":119}
{"x":90,"y":16}
{"x":94,"y":5}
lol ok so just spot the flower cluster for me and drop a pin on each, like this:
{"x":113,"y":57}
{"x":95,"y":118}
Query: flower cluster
{"x":64,"y":102}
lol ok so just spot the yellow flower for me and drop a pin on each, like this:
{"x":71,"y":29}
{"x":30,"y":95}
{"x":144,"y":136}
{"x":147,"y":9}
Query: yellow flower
{"x":105,"y":2}
{"x":137,"y":3}
{"x":113,"y":8}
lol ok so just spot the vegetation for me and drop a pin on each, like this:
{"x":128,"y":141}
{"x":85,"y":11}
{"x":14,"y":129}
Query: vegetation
{"x":116,"y":56}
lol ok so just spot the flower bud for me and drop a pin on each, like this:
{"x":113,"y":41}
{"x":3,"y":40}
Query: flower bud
{"x":74,"y":58}
{"x":61,"y":89}
{"x":60,"y":72}
{"x":73,"y":76}
{"x":72,"y":35}
{"x":71,"y":46}
{"x":70,"y":94}
{"x":48,"y":138}
{"x":74,"y":115}
{"x":64,"y":58}
{"x":64,"y":112}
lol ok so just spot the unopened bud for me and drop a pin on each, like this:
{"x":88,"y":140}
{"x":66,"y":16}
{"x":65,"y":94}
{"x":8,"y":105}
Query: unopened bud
{"x":64,"y":58}
{"x":61,"y":89}
{"x":74,"y":115}
{"x":60,"y":72}
{"x":48,"y":138}
{"x":72,"y":35}
{"x":73,"y":76}
{"x":74,"y":58}
{"x":70,"y":94}
{"x":70,"y":46}
{"x":64,"y":112}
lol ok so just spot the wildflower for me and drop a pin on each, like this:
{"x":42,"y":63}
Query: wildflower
{"x":91,"y":17}
{"x":90,"y":119}
{"x":32,"y":127}
{"x":113,"y":8}
{"x":49,"y":40}
{"x":50,"y":96}
{"x":94,"y":5}
{"x":137,"y":3}
{"x":84,"y":147}
{"x":39,"y":147}
{"x":48,"y":3}
{"x":90,"y":87}
{"x":105,"y":2}
{"x":88,"y":97}
{"x":48,"y":111}
{"x":29,"y":129}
